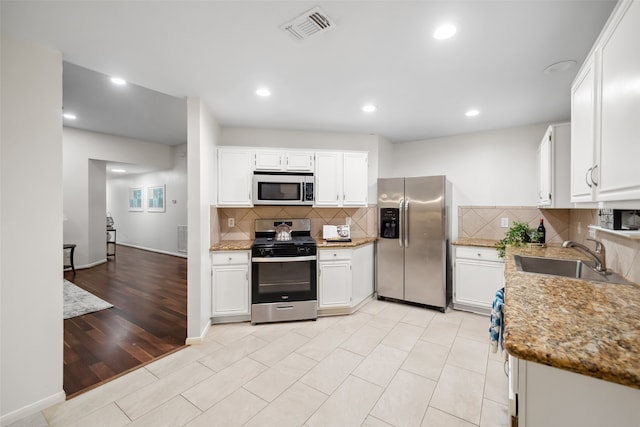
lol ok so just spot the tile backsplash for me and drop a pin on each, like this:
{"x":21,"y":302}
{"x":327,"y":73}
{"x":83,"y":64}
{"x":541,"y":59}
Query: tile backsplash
{"x":363,"y":220}
{"x":483,"y":222}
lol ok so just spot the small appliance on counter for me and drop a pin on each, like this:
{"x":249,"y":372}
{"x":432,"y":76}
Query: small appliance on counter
{"x":617,"y":219}
{"x":336,"y":233}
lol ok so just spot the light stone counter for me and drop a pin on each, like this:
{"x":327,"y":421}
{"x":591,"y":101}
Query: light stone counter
{"x":585,"y":327}
{"x":355,"y":242}
{"x":481,"y":243}
{"x":232,"y":245}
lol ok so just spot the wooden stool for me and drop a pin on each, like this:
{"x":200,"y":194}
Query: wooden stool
{"x":72,"y":248}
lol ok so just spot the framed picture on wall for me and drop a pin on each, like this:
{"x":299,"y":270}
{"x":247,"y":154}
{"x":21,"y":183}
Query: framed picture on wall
{"x":135,"y":199}
{"x":156,"y":199}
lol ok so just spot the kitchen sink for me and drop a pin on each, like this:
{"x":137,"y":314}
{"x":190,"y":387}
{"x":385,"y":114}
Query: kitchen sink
{"x":576,"y":269}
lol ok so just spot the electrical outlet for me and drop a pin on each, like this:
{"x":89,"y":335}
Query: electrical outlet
{"x":231,"y":222}
{"x":579,"y":227}
{"x":347,"y":220}
{"x":504,"y":222}
{"x":592,"y":233}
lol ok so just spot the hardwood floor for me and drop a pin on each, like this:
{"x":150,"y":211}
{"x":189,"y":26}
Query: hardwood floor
{"x":149,"y":318}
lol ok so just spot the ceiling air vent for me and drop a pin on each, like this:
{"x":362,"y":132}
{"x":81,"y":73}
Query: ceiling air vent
{"x":310,"y":23}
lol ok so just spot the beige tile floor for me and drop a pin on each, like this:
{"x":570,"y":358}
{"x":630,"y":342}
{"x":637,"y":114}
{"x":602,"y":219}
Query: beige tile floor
{"x":388,"y":364}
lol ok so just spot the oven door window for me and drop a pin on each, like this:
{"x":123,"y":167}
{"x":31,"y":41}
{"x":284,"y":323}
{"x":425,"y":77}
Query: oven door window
{"x":284,"y":281}
{"x":280,"y":191}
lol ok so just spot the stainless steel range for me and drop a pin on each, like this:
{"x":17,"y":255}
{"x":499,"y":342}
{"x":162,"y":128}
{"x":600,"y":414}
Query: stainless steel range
{"x":283,"y":263}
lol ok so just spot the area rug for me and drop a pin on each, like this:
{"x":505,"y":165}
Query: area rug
{"x":77,"y":301}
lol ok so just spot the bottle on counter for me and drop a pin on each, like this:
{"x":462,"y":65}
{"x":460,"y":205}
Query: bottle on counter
{"x":541,"y":231}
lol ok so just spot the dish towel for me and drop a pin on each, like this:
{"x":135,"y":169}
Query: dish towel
{"x":496,"y":330}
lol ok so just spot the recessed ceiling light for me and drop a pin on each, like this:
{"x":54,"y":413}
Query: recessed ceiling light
{"x":369,"y":108}
{"x":472,"y":113}
{"x":69,"y":116}
{"x":263,"y":92}
{"x":560,"y":66}
{"x":118,"y":170}
{"x":444,"y":32}
{"x":118,"y":81}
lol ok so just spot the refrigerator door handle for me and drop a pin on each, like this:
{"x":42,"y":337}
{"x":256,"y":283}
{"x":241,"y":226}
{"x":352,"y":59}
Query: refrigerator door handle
{"x":406,"y":223}
{"x":400,"y":222}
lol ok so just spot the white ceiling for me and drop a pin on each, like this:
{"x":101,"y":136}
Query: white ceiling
{"x":381,"y":52}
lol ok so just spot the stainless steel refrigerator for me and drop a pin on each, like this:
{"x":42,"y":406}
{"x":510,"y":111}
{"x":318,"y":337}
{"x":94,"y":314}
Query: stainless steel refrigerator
{"x":412,"y":262}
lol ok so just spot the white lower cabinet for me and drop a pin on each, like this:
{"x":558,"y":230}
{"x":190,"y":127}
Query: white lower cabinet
{"x":548,"y":396}
{"x":345,"y":277}
{"x":478,"y":274}
{"x":334,"y":278}
{"x":230,"y":291}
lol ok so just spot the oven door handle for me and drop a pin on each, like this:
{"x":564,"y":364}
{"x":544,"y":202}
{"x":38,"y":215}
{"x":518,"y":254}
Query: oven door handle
{"x":284,"y":259}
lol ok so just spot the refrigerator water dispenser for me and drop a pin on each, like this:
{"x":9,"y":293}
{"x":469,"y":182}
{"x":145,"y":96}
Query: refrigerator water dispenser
{"x":389,"y":223}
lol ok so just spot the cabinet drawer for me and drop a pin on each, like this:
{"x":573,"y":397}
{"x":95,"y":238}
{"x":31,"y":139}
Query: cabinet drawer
{"x":334,"y":254}
{"x":229,"y":257}
{"x":485,"y":254}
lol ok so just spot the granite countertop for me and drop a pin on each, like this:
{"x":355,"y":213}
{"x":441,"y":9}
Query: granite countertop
{"x":589,"y":328}
{"x":468,"y":241}
{"x":355,"y":242}
{"x":232,"y":245}
{"x":245,"y":245}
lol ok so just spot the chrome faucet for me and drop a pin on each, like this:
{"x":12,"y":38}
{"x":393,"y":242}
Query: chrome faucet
{"x":598,"y":255}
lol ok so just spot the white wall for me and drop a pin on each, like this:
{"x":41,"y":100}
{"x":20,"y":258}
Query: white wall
{"x":31,"y":325}
{"x":155,"y":231}
{"x":385,"y":158}
{"x":491,"y":168}
{"x":270,"y":138}
{"x":203,"y":133}
{"x":84,"y":157}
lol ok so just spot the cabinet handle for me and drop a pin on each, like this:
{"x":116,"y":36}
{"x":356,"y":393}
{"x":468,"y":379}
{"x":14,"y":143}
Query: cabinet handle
{"x":586,"y":176}
{"x":593,"y":169}
{"x":337,"y":197}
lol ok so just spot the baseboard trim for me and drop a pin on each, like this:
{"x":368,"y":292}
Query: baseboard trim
{"x":31,"y":409}
{"x":93,"y":264}
{"x":200,"y":339}
{"x":178,"y":254}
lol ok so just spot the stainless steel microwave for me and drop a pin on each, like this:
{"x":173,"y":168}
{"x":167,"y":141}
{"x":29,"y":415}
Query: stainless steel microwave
{"x":282,"y":188}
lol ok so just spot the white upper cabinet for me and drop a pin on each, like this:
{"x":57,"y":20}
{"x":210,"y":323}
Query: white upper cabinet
{"x":235,"y":177}
{"x":583,"y":142}
{"x":620,"y":109}
{"x":301,"y":161}
{"x":355,"y":179}
{"x":341,"y":179}
{"x":269,"y":160}
{"x":328,"y":177}
{"x":284,"y":161}
{"x":605,"y":114}
{"x":554,"y":154}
